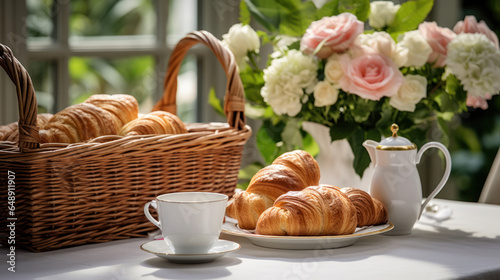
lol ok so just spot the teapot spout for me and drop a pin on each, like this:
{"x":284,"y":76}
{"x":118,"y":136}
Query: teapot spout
{"x":371,"y":146}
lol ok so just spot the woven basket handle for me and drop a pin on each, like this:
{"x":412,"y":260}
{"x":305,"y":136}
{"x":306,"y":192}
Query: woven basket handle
{"x":26,"y":99}
{"x":234,"y":101}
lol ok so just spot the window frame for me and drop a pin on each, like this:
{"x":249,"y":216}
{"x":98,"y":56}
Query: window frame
{"x":13,"y":32}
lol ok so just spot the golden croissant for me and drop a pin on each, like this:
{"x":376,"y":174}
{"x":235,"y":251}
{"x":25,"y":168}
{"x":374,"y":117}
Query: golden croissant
{"x":10,"y":132}
{"x":157,"y":122}
{"x":292,"y":171}
{"x":316,"y":210}
{"x":99,"y":115}
{"x":123,"y":106}
{"x":369,"y":210}
{"x":78,"y":123}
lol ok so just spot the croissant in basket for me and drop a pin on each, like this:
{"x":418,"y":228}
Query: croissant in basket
{"x":316,"y":210}
{"x":97,"y":116}
{"x":123,"y":106}
{"x":292,"y":171}
{"x":157,"y":122}
{"x":10,"y":132}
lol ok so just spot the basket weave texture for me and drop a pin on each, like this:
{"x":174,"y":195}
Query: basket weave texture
{"x":73,"y":194}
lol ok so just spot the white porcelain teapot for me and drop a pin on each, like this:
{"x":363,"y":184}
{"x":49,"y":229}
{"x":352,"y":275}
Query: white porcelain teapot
{"x":396,"y":182}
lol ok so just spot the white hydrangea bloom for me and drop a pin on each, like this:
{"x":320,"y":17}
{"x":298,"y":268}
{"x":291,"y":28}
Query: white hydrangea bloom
{"x":286,"y":79}
{"x":475,"y":61}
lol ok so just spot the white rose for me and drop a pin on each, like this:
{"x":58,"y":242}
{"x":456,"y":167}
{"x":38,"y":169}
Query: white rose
{"x":325,"y":94}
{"x":418,"y":49}
{"x":382,"y":13}
{"x":241,"y":39}
{"x":413,"y":89}
{"x":382,"y":43}
{"x":333,"y":69}
{"x":475,"y":61}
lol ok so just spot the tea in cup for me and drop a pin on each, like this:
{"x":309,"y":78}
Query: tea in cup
{"x":190,"y":222}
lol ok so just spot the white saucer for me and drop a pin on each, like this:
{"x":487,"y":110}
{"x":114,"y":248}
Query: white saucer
{"x":219,"y":249}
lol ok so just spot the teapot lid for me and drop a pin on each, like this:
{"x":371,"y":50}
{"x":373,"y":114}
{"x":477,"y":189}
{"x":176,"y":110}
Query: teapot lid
{"x":395,"y":142}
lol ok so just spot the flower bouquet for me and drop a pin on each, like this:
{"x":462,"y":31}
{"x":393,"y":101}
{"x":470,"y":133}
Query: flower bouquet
{"x":326,"y":67}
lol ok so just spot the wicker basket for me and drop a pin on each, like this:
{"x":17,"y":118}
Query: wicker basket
{"x":73,"y":194}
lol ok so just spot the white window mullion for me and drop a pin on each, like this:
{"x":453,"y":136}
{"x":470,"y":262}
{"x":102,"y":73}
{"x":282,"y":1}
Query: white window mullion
{"x":161,"y":59}
{"x":61,"y":38}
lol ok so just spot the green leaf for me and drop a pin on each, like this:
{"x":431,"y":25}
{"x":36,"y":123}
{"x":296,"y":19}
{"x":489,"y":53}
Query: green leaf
{"x":249,"y":171}
{"x":309,"y":145}
{"x":253,"y":82}
{"x":244,"y":13}
{"x":269,"y":141}
{"x":363,"y":109}
{"x":385,"y":120}
{"x":266,"y":145}
{"x":215,"y":102}
{"x":292,"y":136}
{"x":360,"y":9}
{"x":256,"y":112}
{"x":286,"y":17}
{"x":361,"y":156}
{"x":341,"y":130}
{"x":297,"y":16}
{"x":330,"y":8}
{"x":267,"y":13}
{"x":410,"y":15}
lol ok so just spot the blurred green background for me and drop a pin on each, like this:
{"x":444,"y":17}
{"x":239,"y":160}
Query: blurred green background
{"x":477,"y":133}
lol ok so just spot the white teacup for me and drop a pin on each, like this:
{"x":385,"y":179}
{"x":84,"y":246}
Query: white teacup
{"x":190,"y":222}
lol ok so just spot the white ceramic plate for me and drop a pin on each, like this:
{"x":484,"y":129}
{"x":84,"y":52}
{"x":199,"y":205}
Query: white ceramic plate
{"x":161,"y":249}
{"x":304,"y":242}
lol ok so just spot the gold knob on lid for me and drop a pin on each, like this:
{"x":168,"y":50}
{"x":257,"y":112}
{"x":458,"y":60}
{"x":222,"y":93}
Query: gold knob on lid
{"x":394,"y":129}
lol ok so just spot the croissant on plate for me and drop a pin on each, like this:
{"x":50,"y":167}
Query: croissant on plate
{"x":157,"y":122}
{"x":10,"y":132}
{"x":316,"y":210}
{"x":99,"y":115}
{"x":292,"y":171}
{"x":369,"y":210}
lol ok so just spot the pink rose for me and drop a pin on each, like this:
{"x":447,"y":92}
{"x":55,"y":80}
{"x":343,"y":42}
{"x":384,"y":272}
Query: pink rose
{"x":478,"y":102}
{"x":336,"y":33}
{"x":438,"y":38}
{"x":370,"y":75}
{"x":470,"y":25}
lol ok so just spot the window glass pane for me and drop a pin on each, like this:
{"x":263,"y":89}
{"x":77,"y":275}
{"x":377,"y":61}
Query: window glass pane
{"x":39,"y":18}
{"x":112,"y":17}
{"x":187,"y":89}
{"x":133,"y":76}
{"x":42,"y":76}
{"x":181,"y":19}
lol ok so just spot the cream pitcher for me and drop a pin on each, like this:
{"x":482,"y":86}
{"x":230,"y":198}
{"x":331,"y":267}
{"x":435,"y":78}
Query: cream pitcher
{"x":396,"y":182}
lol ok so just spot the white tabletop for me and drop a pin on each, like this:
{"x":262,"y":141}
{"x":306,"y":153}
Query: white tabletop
{"x":466,"y":245}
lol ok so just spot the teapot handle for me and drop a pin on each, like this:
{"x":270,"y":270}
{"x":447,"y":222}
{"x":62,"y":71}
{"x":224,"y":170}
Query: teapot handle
{"x":446,"y":174}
